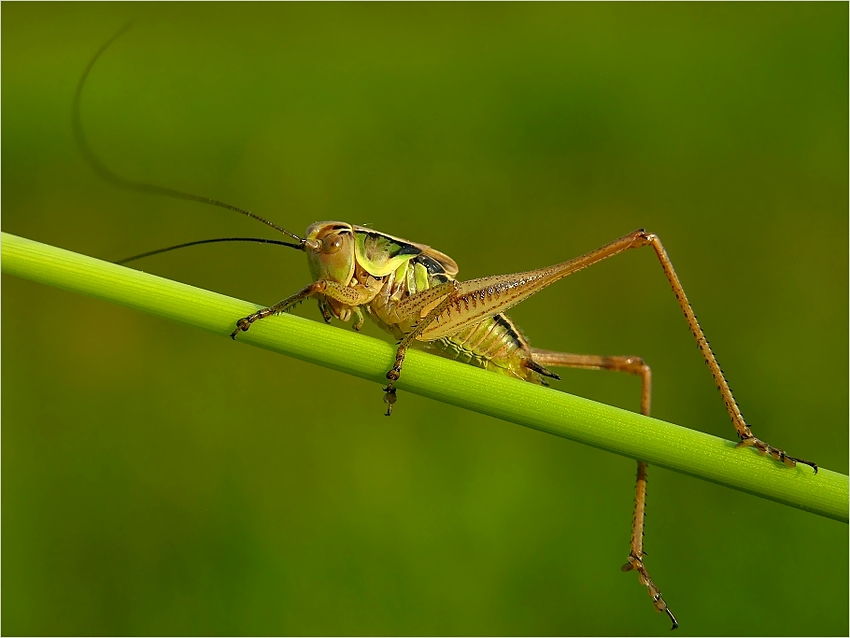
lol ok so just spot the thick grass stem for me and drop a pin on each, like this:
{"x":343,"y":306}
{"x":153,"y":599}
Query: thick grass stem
{"x":619,"y":431}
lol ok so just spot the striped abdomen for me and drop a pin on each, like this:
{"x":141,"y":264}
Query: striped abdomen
{"x":493,"y":344}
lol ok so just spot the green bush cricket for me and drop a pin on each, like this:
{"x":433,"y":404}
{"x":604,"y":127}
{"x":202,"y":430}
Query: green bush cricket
{"x":410,"y":290}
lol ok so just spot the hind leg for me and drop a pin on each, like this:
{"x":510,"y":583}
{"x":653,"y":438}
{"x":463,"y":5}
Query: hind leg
{"x":635,"y":366}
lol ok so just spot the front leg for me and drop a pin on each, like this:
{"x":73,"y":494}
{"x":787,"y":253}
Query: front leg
{"x":347,"y":295}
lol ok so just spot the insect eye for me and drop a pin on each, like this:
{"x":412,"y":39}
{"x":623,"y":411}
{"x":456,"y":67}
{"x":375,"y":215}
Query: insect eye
{"x":332,"y":243}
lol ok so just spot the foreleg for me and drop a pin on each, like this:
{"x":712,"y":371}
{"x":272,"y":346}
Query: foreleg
{"x":346,"y":294}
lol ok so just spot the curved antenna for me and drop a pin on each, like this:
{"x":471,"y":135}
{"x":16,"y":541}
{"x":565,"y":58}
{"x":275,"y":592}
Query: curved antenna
{"x":258,"y":240}
{"x":121,"y":182}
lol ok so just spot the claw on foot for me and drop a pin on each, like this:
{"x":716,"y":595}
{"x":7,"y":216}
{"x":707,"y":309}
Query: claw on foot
{"x":241,"y":326}
{"x":389,"y":399}
{"x":775,"y":453}
{"x":673,"y":620}
{"x":636,"y":564}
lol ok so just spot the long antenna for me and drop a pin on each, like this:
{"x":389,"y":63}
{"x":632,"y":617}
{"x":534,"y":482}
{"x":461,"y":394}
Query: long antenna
{"x":107,"y":175}
{"x":198,"y":242}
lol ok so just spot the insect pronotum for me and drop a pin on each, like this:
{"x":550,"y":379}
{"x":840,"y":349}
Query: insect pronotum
{"x":410,"y":290}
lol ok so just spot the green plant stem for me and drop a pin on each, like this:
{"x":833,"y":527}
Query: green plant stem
{"x":619,"y":431}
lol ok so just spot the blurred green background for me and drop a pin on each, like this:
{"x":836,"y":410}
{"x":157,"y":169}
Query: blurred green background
{"x":161,"y":480}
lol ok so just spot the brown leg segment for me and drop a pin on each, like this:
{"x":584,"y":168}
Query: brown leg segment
{"x":743,"y":430}
{"x":636,"y":366}
{"x":244,"y":324}
{"x":346,"y":294}
{"x":394,"y":374}
{"x":640,"y":238}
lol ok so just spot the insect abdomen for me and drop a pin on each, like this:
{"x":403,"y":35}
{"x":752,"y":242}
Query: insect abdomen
{"x":493,"y":344}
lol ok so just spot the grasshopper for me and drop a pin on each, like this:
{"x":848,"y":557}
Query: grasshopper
{"x":411,"y":291}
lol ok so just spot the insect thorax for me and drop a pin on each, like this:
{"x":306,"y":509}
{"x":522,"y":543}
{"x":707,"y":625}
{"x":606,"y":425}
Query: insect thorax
{"x":494,"y":343}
